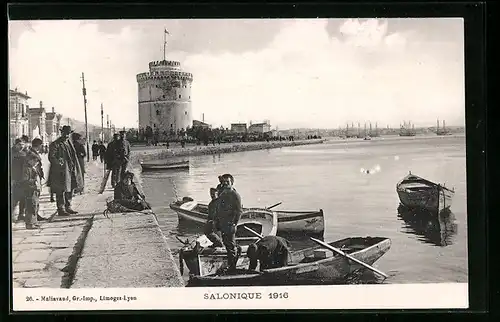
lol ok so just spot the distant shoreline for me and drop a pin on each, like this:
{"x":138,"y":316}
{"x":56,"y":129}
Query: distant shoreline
{"x":159,"y":153}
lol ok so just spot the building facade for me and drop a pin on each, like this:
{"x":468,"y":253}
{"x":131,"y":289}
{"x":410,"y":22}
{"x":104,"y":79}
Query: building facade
{"x":37,"y":127}
{"x":260,"y":127}
{"x":165,"y":97}
{"x":18,"y":113}
{"x":52,"y":125}
{"x":200,"y":124}
{"x":239,"y":127}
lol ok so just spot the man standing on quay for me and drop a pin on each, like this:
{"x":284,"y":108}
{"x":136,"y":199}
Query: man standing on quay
{"x":18,"y":153}
{"x":112,"y":160}
{"x":65,"y":172}
{"x":124,"y":153}
{"x":32,"y":182}
{"x":229,"y":211}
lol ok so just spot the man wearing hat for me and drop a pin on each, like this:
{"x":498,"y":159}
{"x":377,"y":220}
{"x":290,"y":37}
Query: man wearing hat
{"x":65,"y":173}
{"x":229,"y":212}
{"x":113,"y":160}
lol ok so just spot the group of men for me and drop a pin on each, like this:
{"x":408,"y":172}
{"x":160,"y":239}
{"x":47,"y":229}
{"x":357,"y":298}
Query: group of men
{"x":224,"y":213}
{"x":66,"y":172}
{"x":98,"y":150}
{"x":117,"y":157}
{"x":27,"y":173}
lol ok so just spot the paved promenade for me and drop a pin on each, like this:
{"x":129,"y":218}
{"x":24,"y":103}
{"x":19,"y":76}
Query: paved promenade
{"x":45,"y":257}
{"x":89,"y":250}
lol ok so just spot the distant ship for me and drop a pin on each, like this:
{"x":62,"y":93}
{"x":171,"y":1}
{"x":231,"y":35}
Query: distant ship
{"x":443,"y":130}
{"x":407,"y":129}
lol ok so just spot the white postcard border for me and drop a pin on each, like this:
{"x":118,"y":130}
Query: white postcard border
{"x":381,"y":296}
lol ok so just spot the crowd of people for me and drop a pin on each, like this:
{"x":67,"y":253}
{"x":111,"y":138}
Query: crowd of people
{"x":65,"y":178}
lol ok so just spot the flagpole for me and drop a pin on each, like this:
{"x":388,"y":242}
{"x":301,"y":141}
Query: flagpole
{"x":164,"y":44}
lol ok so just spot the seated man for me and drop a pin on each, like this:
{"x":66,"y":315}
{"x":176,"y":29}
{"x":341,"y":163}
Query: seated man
{"x":127,"y":195}
{"x":211,"y":225}
{"x":270,"y":252}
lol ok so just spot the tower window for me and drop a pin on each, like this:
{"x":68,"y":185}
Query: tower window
{"x":157,"y":112}
{"x":185,"y":113}
{"x":163,"y":96}
{"x":179,"y":95}
{"x":189,"y":96}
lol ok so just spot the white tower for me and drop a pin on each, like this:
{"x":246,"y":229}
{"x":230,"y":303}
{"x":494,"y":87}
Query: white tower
{"x":165,"y":96}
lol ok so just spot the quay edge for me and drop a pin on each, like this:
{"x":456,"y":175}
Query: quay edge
{"x":164,"y":153}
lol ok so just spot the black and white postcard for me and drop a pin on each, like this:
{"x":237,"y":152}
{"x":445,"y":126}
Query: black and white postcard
{"x":219,"y":164}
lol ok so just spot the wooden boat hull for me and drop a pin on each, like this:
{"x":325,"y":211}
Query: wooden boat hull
{"x":165,"y":166}
{"x":202,"y":259}
{"x":310,"y":223}
{"x":324,"y":271}
{"x":417,"y":193}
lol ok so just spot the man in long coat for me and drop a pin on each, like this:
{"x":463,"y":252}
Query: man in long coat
{"x":65,"y":173}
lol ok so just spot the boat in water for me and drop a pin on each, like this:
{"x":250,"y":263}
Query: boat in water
{"x":201,"y":258}
{"x":314,"y":265}
{"x":310,"y":223}
{"x":420,"y":193}
{"x":160,"y":166}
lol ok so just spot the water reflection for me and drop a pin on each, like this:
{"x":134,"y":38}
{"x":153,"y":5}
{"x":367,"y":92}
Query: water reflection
{"x":438,"y":230}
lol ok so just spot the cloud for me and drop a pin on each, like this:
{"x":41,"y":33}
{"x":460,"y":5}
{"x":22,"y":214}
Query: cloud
{"x":48,"y":62}
{"x":303,"y":77}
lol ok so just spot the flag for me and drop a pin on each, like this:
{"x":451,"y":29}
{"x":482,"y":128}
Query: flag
{"x":167,"y":32}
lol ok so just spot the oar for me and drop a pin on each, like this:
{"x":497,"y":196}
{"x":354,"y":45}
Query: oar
{"x":276,"y":205}
{"x":253,"y":232}
{"x":338,"y":251}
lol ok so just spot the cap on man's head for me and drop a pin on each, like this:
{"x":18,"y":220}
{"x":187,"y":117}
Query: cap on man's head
{"x":228,"y":176}
{"x":66,"y":129}
{"x":25,"y":138}
{"x":36,"y":142}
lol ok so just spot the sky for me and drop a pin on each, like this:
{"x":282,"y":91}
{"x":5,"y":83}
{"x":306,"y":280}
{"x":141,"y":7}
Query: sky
{"x":319,"y":73}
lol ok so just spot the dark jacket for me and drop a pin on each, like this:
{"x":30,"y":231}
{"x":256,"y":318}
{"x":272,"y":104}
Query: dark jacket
{"x":65,"y":173}
{"x":228,"y":208}
{"x":212,"y":209}
{"x":109,"y":155}
{"x":81,"y":154}
{"x":123,"y":150}
{"x":101,"y":149}
{"x":32,"y":171}
{"x":272,"y":252}
{"x":95,"y":149}
{"x":17,"y":156}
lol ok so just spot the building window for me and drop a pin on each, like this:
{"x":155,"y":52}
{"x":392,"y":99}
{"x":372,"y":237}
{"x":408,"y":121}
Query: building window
{"x":179,"y":95}
{"x":185,"y":113}
{"x":157,"y":112}
{"x":189,"y":96}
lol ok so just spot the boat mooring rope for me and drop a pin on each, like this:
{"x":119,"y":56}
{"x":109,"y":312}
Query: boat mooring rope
{"x":174,"y":188}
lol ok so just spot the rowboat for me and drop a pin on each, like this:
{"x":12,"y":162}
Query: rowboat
{"x":315,"y":265}
{"x":200,"y":258}
{"x":164,"y":166}
{"x":311,"y":223}
{"x":416,"y":192}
